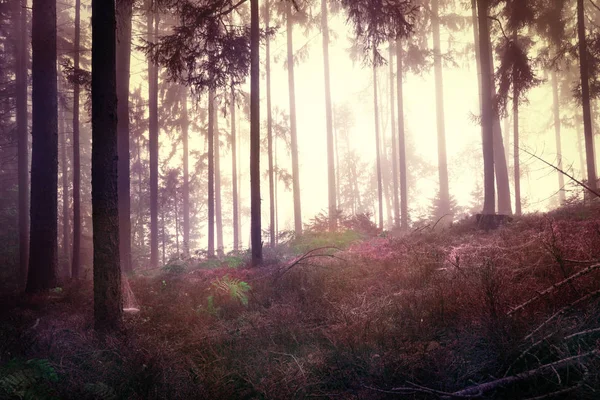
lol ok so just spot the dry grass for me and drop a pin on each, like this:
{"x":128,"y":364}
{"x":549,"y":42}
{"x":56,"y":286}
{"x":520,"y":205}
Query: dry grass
{"x":429,"y":309}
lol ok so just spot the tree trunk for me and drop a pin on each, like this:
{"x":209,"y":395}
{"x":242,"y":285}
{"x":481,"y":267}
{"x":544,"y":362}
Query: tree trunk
{"x":140,"y":195}
{"x":44,"y":153}
{"x":440,"y":117}
{"x":108,"y":299}
{"x":255,"y":134}
{"x":218,"y":208}
{"x":394,"y":146}
{"x":329,"y":119}
{"x":153,"y":139}
{"x":556,"y":106}
{"x":487,"y":112}
{"x":164,"y":238}
{"x":580,"y":139}
{"x":186,"y":177}
{"x":124,"y":14}
{"x":506,"y":136}
{"x":517,"y":166}
{"x":234,"y":178}
{"x":76,"y":262}
{"x":585,"y":93}
{"x":211,"y":174}
{"x":65,"y":269}
{"x":377,"y":144}
{"x":22,"y":138}
{"x":474,"y":20}
{"x":176,"y":224}
{"x":401,"y":140}
{"x":293,"y":132}
{"x":269,"y":128}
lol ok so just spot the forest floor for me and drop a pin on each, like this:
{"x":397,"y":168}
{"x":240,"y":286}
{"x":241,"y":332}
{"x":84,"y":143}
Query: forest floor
{"x":456,"y":312}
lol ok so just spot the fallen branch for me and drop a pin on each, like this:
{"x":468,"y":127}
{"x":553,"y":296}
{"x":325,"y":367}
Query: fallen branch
{"x":554,"y":287}
{"x":308,"y":255}
{"x":489,"y":386}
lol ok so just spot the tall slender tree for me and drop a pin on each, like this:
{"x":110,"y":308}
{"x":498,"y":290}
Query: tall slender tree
{"x":401,"y":138}
{"x":329,"y":119}
{"x":585,"y":96}
{"x":557,"y":136}
{"x":255,"y":134}
{"x":124,"y":12}
{"x":217,"y":156}
{"x":272,"y":230}
{"x":394,"y":145}
{"x":22,"y":137}
{"x":517,"y":165}
{"x":44,"y":153}
{"x":377,"y":141}
{"x":186,"y":178}
{"x":211,"y":174}
{"x":234,"y":177}
{"x":108,"y":300}
{"x":293,"y":129}
{"x":152,"y":27}
{"x":76,"y":259}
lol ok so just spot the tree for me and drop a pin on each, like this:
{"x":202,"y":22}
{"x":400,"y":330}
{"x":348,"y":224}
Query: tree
{"x":401,"y":139}
{"x":44,"y":153}
{"x":76,"y":259}
{"x":293,"y":131}
{"x":556,"y":111}
{"x":152,"y":19}
{"x":272,"y":231}
{"x":487,"y":110}
{"x":108,"y":301}
{"x":234,"y":178}
{"x":394,"y":145}
{"x":66,"y":229}
{"x":217,"y":157}
{"x":211,"y":173}
{"x":22,"y":136}
{"x":377,"y":142}
{"x":255,"y":135}
{"x":329,"y":118}
{"x":124,"y":12}
{"x":585,"y":97}
{"x":186,"y":179}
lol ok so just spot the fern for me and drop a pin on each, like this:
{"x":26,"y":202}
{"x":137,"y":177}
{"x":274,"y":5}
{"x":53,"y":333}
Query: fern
{"x":236,"y":288}
{"x":27,"y":380}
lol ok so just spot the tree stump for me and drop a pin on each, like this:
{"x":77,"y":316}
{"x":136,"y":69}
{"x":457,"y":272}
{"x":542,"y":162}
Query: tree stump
{"x":492,"y":221}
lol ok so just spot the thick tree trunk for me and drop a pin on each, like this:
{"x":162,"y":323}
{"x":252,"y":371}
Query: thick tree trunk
{"x":108,"y":299}
{"x":401,"y":140}
{"x":76,"y":262}
{"x":22,"y":138}
{"x":65,"y":269}
{"x":440,"y":117}
{"x":475,"y":23}
{"x":506,"y":136}
{"x":186,"y":177}
{"x":293,"y":132}
{"x":234,"y":178}
{"x":269,"y":129}
{"x":394,"y":146}
{"x":255,"y":229}
{"x":377,"y":145}
{"x":152,"y":19}
{"x":585,"y":93}
{"x":211,"y":174}
{"x":218,"y":208}
{"x":556,"y":107}
{"x":124,"y":14}
{"x":164,"y":238}
{"x":329,"y":119}
{"x":44,"y":153}
{"x":487,"y":111}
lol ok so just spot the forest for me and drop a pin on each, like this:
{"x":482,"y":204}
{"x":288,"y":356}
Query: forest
{"x":294,"y":199}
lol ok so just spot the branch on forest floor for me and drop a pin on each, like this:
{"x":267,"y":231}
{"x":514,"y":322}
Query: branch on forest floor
{"x":308,"y":255}
{"x":554,"y":287}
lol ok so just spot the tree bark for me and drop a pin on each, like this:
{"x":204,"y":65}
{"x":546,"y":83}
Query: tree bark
{"x":153,"y":139}
{"x":76,"y":261}
{"x":44,"y":153}
{"x":124,"y":13}
{"x":394,"y":145}
{"x":556,"y":107}
{"x":401,"y":140}
{"x":440,"y":117}
{"x":377,"y":144}
{"x":487,"y":112}
{"x":293,"y":132}
{"x":329,"y":119}
{"x":108,"y":299}
{"x":218,"y":208}
{"x":186,"y":177}
{"x":211,"y":174}
{"x":269,"y":128}
{"x":256,"y":241}
{"x":234,"y":178}
{"x":517,"y":166}
{"x":585,"y":94}
{"x":65,"y":269}
{"x":22,"y":138}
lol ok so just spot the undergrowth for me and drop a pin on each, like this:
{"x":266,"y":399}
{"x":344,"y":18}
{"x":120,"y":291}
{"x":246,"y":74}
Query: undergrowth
{"x":423,"y":315}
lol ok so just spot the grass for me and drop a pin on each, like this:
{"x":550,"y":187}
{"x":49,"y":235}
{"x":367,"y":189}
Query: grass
{"x":394,"y":317}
